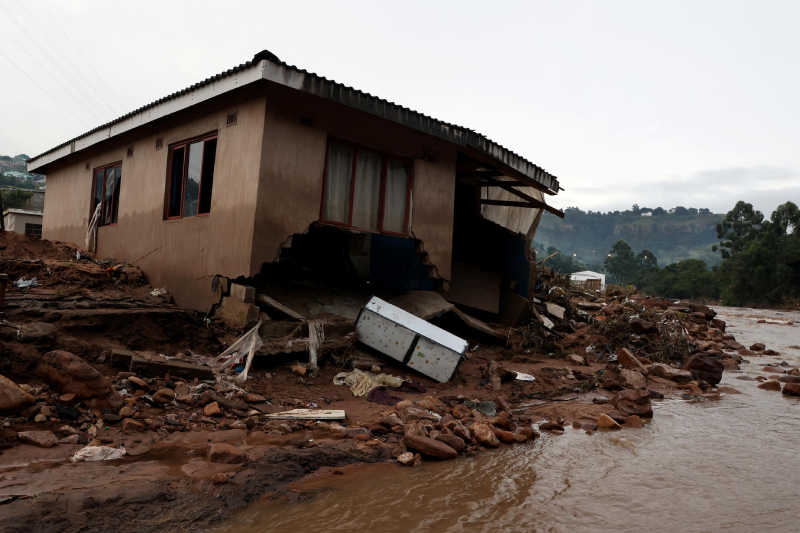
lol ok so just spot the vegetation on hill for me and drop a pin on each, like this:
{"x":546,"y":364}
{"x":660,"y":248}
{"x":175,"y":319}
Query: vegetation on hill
{"x":673,"y":235}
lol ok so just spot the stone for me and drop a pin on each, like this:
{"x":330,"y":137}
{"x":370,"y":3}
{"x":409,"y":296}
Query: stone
{"x":40,"y":332}
{"x":600,"y":400}
{"x":212,"y":409}
{"x":728,"y":390}
{"x":406,"y":459}
{"x":574,"y":359}
{"x":549,"y":426}
{"x":529,"y":433}
{"x":504,"y":436}
{"x":626,"y":358}
{"x":640,"y":326}
{"x":430,"y":447}
{"x":219,"y":478}
{"x":254,"y":398}
{"x":66,"y":431}
{"x":655,"y":395}
{"x":613,"y":309}
{"x":300,"y":370}
{"x":705,"y":367}
{"x":12,"y":398}
{"x":163,"y":396}
{"x":718,"y":323}
{"x":42,"y":439}
{"x":554,"y":372}
{"x":758,"y":347}
{"x":605,"y":421}
{"x":791,"y":389}
{"x":707,"y":312}
{"x":415,"y":413}
{"x":68,"y":412}
{"x":127,"y":411}
{"x":771,"y":385}
{"x":390,"y":421}
{"x":129,"y":425}
{"x":786,"y":378}
{"x":238,"y":313}
{"x":631,"y":379}
{"x":484,"y":435}
{"x":462,"y":411}
{"x":612,"y":385}
{"x":462,"y":432}
{"x":139,"y":383}
{"x":72,"y":439}
{"x":454,"y":441}
{"x":220,"y":452}
{"x":67,"y":398}
{"x":693,"y":389}
{"x":588,"y":306}
{"x":674,"y":374}
{"x":68,"y":373}
{"x":634,"y":402}
{"x":40,"y":418}
{"x":633,"y":422}
{"x":590,"y":426}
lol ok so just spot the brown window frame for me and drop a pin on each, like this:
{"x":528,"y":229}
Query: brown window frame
{"x":185,"y":145}
{"x":36,"y":229}
{"x":104,"y":168}
{"x":385,"y":157}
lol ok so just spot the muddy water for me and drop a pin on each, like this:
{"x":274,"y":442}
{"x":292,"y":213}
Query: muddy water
{"x":701,"y":465}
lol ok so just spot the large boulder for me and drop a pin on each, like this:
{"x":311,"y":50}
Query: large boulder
{"x":630,"y":379}
{"x":42,"y":439}
{"x":38,"y":332}
{"x":68,"y":373}
{"x":792,"y":389}
{"x":667,"y":372}
{"x":634,"y":402}
{"x":705,"y":367}
{"x":484,"y":435}
{"x":12,"y":398}
{"x":430,"y":447}
{"x":626,"y":358}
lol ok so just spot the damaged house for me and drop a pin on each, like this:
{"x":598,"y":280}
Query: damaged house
{"x":268,"y":164}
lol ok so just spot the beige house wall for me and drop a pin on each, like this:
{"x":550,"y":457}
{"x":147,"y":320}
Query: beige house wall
{"x":293,"y":162}
{"x":183,"y":254}
{"x":16,"y":221}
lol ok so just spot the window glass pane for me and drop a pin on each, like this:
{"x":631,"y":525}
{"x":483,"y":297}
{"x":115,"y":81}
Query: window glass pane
{"x":394,"y":209}
{"x":98,"y":191}
{"x":108,"y":194}
{"x":337,"y":183}
{"x":176,"y":183}
{"x":115,"y":208}
{"x":192,"y":193}
{"x":209,"y":157}
{"x":367,"y":193}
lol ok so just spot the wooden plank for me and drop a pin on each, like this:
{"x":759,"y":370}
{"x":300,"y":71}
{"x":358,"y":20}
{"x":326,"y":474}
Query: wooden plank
{"x":309,"y":414}
{"x":533,"y":204}
{"x":265,"y":300}
{"x":477,"y":325}
{"x":424,"y":304}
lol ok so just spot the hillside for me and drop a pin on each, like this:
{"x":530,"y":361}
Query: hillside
{"x":671,"y":237}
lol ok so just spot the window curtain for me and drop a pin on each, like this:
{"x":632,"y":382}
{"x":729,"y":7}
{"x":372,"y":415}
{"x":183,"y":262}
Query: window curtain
{"x":109,"y":194}
{"x":337,"y":184}
{"x":192,"y":192}
{"x":367,"y":194}
{"x":394,"y":209}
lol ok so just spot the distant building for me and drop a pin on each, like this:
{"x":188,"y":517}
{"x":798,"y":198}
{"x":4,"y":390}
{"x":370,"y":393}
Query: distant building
{"x":648,"y":214}
{"x":587,"y":279}
{"x":23,"y":221}
{"x":35,"y":202}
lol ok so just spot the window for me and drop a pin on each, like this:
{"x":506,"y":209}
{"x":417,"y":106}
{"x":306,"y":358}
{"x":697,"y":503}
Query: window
{"x":105,"y":193}
{"x":365,"y":189}
{"x":191,"y":177}
{"x":33,"y":229}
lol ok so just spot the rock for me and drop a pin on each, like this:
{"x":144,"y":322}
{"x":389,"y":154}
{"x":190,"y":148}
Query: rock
{"x":634,"y":402}
{"x":655,"y":395}
{"x":705,"y":367}
{"x":792,"y":389}
{"x":707,"y":312}
{"x":219,"y":478}
{"x":612,"y":385}
{"x":641,"y":326}
{"x":129,"y":425}
{"x":12,"y":398}
{"x":67,"y":398}
{"x":632,"y":379}
{"x":219,"y":452}
{"x":605,"y":421}
{"x":69,"y":373}
{"x":390,"y":421}
{"x":600,"y":400}
{"x":770,"y":385}
{"x":72,"y":439}
{"x":549,"y":426}
{"x":626,"y":358}
{"x":693,"y":389}
{"x":614,"y":309}
{"x":286,"y":428}
{"x":430,"y":447}
{"x":505,"y":436}
{"x":589,"y":426}
{"x":42,"y":439}
{"x":406,"y":459}
{"x":484,"y":435}
{"x":588,"y":306}
{"x":728,"y":390}
{"x":454,"y":441}
{"x":127,"y":412}
{"x":139,"y":383}
{"x":771,"y":352}
{"x":254,"y":398}
{"x":758,"y":347}
{"x":66,"y":431}
{"x":212,"y":409}
{"x":555,"y":373}
{"x":163,"y":396}
{"x":786,"y":378}
{"x":667,"y":372}
{"x":300,"y":370}
{"x":529,"y":433}
{"x":68,"y":412}
{"x":718,"y":323}
{"x":574,"y":359}
{"x":462,"y":432}
{"x":40,"y":418}
{"x":40,"y":332}
{"x":415,"y":413}
{"x":633,"y":422}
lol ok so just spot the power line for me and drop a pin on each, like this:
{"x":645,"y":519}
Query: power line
{"x":30,"y":109}
{"x":80,"y":73}
{"x":97,"y":74}
{"x":43,"y":89}
{"x":99,"y":61}
{"x":81,"y":91}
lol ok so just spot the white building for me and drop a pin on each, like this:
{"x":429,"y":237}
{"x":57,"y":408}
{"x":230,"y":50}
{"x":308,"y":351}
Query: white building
{"x":585,"y":278}
{"x":23,"y":221}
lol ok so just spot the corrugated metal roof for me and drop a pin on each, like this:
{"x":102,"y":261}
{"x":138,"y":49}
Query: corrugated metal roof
{"x":277,"y":71}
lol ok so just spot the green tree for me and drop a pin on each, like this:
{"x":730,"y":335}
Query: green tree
{"x":621,"y":262}
{"x":15,"y":199}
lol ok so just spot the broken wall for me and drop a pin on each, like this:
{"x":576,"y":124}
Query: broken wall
{"x":185,"y":252}
{"x":293,"y":162}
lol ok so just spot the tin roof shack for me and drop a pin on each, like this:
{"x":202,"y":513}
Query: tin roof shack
{"x":267,"y":163}
{"x":588,"y":279}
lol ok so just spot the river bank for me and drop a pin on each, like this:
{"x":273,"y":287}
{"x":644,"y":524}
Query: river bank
{"x":196,"y":454}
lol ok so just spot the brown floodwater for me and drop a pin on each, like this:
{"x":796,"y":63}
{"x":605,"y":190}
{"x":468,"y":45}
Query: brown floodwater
{"x":701,"y":466}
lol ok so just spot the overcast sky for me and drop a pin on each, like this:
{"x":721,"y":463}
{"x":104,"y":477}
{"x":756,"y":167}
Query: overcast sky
{"x":650,"y":102}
